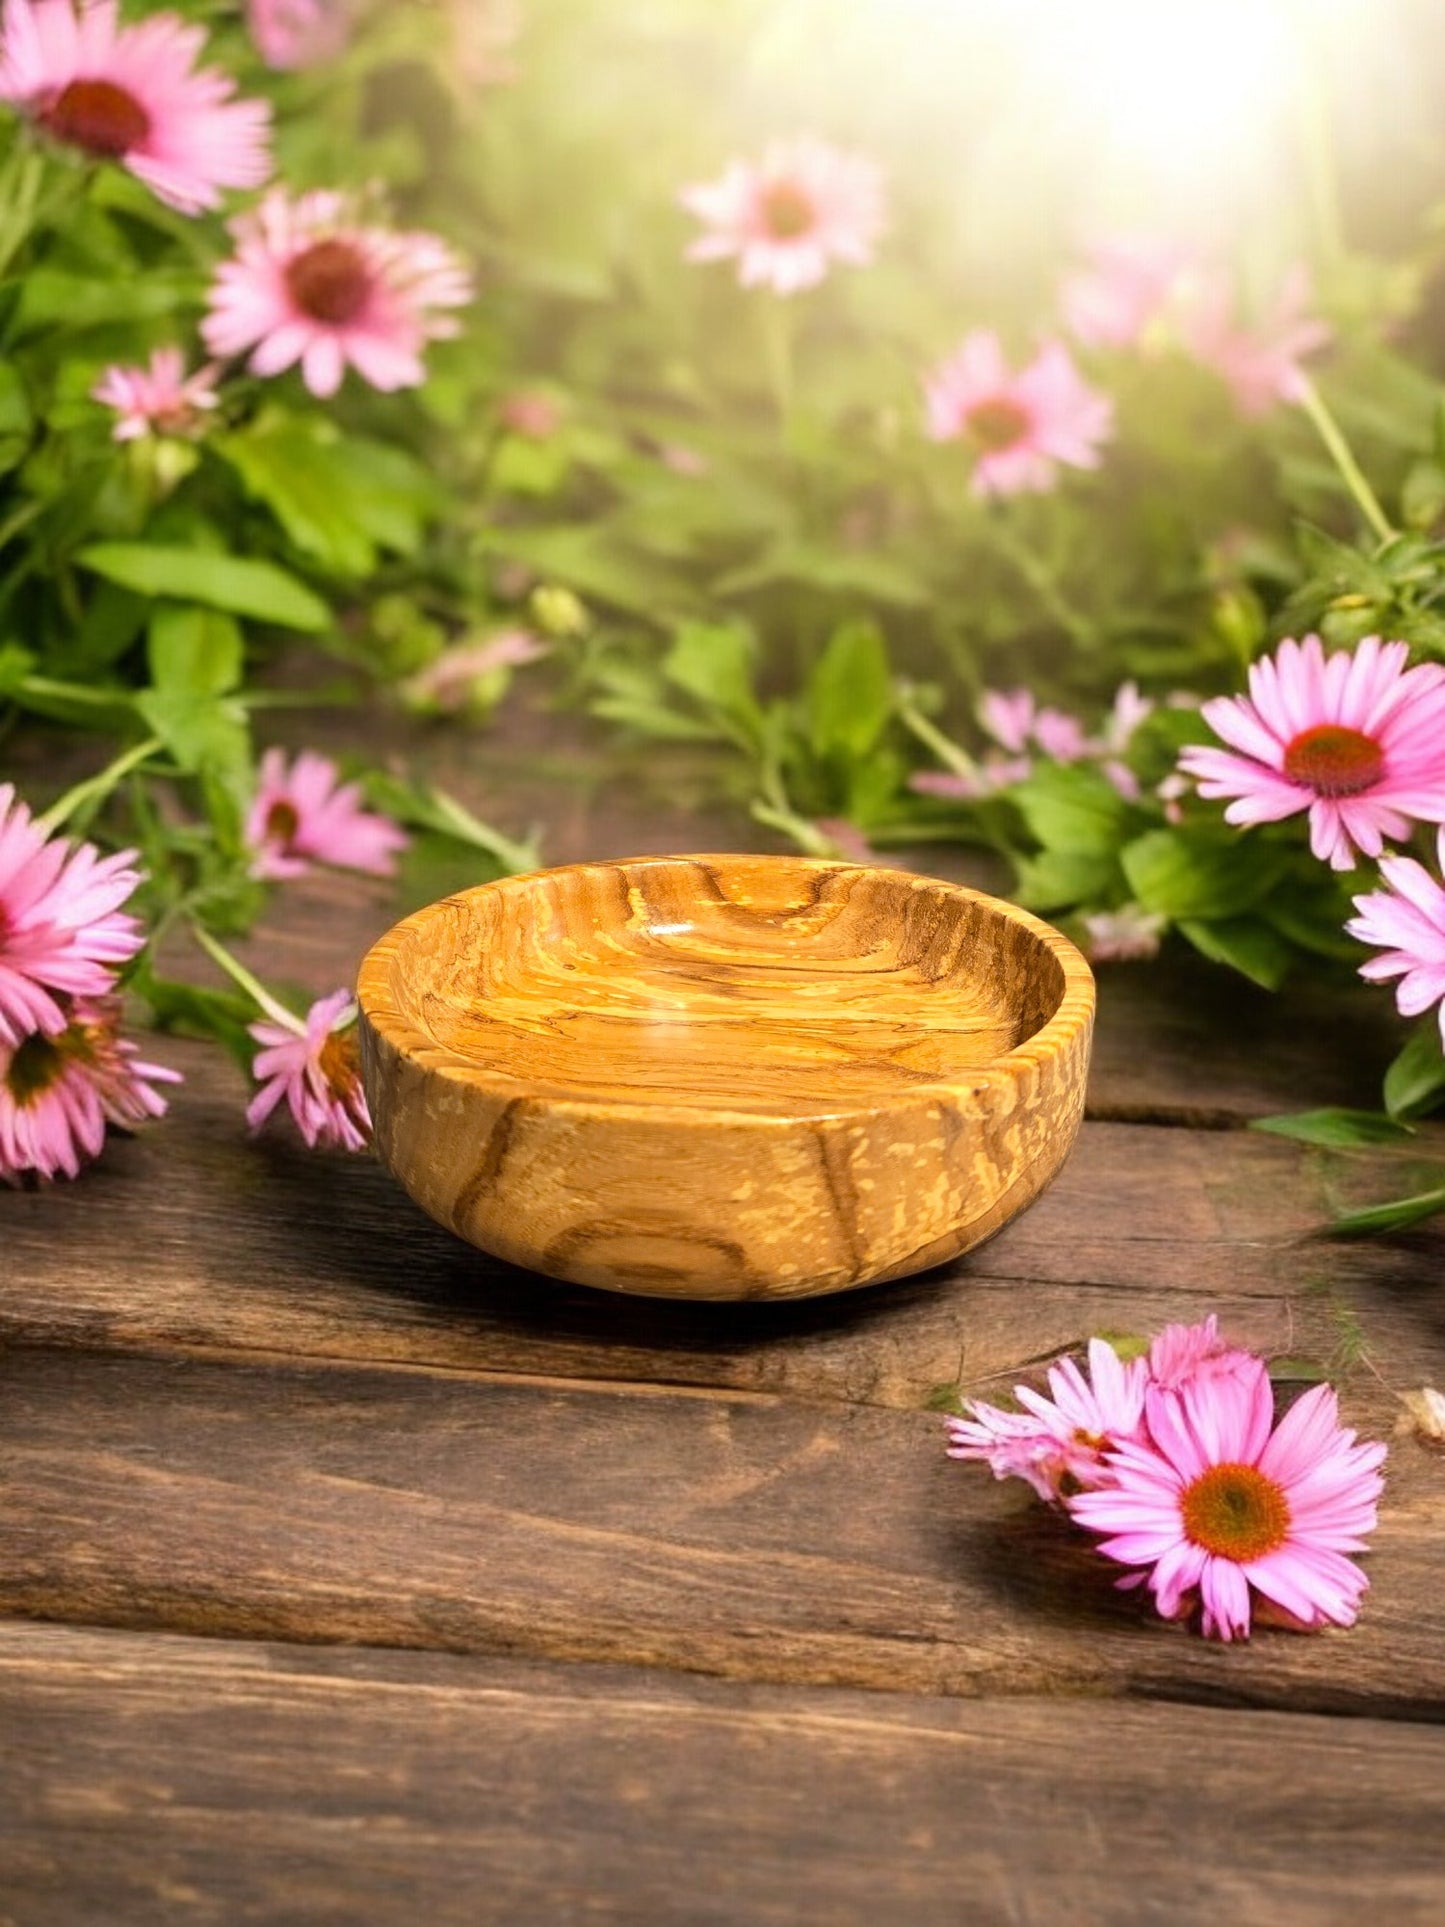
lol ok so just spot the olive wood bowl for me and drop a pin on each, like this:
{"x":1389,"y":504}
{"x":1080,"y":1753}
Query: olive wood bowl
{"x":724,"y":1076}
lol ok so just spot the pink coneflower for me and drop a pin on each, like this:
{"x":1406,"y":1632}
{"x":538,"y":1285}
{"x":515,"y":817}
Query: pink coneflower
{"x":1357,"y":739}
{"x":133,"y":95}
{"x":991,"y":774}
{"x":58,"y":1092}
{"x":470,"y":671}
{"x":1128,"y":294}
{"x":1061,"y":1442}
{"x":310,"y":282}
{"x":62,"y":931}
{"x":159,"y":399}
{"x":1217,"y":1506}
{"x":306,"y":815}
{"x":315,"y":1067}
{"x":1022,"y":426}
{"x":1127,"y":935}
{"x":299,"y":33}
{"x":1261,"y":365}
{"x":1407,"y":922}
{"x":1183,"y":1354}
{"x":789,"y":216}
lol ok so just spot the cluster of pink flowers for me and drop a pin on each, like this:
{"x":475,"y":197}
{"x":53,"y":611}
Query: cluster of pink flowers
{"x":1355,"y":739}
{"x":312,"y":281}
{"x":1175,"y":1462}
{"x":65,"y":1069}
{"x":1148,"y":295}
{"x":1018,"y":728}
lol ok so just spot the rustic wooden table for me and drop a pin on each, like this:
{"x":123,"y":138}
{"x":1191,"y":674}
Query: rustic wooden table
{"x":348,"y":1576}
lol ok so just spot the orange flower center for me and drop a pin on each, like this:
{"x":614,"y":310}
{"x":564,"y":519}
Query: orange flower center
{"x":787,"y":212}
{"x":98,"y":116}
{"x":282,"y":823}
{"x":330,"y":281}
{"x":1235,"y":1512}
{"x":1333,"y":760}
{"x":998,"y":423}
{"x":340,"y":1061}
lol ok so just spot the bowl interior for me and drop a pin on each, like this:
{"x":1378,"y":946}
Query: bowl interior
{"x":761,"y":984}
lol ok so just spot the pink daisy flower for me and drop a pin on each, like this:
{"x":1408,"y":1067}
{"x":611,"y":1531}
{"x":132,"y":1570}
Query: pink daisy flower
{"x":1260,"y":365}
{"x":1218,"y":1504}
{"x":1183,"y":1354}
{"x":58,"y":1092}
{"x":1127,"y":935}
{"x":1063,"y":1441}
{"x":304,"y":814}
{"x":1406,"y":921}
{"x":310,"y":282}
{"x":316,"y":1068}
{"x":159,"y":399}
{"x":298,"y":33}
{"x":133,"y":95}
{"x":1128,"y":292}
{"x":471,"y":672}
{"x":1356,"y":738}
{"x":788,"y":217}
{"x":990,"y":775}
{"x":62,"y":931}
{"x":1022,"y":426}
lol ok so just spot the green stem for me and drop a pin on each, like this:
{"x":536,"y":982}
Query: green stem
{"x":516,"y":857}
{"x":778,"y":346}
{"x":253,"y":987}
{"x":96,"y":788}
{"x":1343,"y":458}
{"x":1006,"y":540}
{"x":808,"y":837}
{"x":933,"y":739}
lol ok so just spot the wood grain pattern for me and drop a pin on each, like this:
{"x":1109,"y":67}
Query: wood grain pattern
{"x":155,"y":1779}
{"x":724,"y":1077}
{"x":733,"y":1534}
{"x":192,"y":1234}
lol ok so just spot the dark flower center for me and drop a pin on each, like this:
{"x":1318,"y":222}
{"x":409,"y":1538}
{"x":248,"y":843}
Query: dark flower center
{"x":998,"y":423}
{"x":282,"y":823}
{"x":330,"y":281}
{"x":1235,"y":1512}
{"x":787,"y":212}
{"x":1333,"y":760}
{"x":98,"y":116}
{"x":37,"y":1062}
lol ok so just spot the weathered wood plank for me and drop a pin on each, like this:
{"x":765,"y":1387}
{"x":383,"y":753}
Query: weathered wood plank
{"x":193,"y":1234}
{"x":719,"y":1533}
{"x":171,"y":1779}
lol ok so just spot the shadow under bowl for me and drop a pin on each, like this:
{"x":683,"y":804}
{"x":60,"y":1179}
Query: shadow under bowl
{"x":724,"y":1076}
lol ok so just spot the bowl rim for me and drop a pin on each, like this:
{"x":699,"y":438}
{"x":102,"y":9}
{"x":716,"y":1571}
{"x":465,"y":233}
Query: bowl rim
{"x":379,"y":1010}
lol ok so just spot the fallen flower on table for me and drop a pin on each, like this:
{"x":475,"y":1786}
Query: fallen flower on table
{"x":1175,"y":1462}
{"x":303,"y":814}
{"x":315,"y":1068}
{"x":59,"y":1091}
{"x":62,"y":930}
{"x":1406,"y":922}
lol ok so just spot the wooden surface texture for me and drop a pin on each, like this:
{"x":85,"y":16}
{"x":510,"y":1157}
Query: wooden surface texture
{"x":347,"y":1574}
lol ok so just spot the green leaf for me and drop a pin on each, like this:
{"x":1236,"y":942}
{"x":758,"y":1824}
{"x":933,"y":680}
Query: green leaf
{"x":1415,"y":1081}
{"x":849,"y":696}
{"x":1397,"y":1215}
{"x":194,"y":652}
{"x":209,"y":737}
{"x":1243,"y":944}
{"x":1340,"y":1129}
{"x":1422,"y":497}
{"x":338,"y":500}
{"x":1071,"y":807}
{"x":235,"y":583}
{"x":16,"y":418}
{"x":714,"y":663}
{"x":189,"y":1011}
{"x":1200,"y":872}
{"x":1058,"y":879}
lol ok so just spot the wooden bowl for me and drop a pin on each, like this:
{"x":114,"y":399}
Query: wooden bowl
{"x":724,"y":1076}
